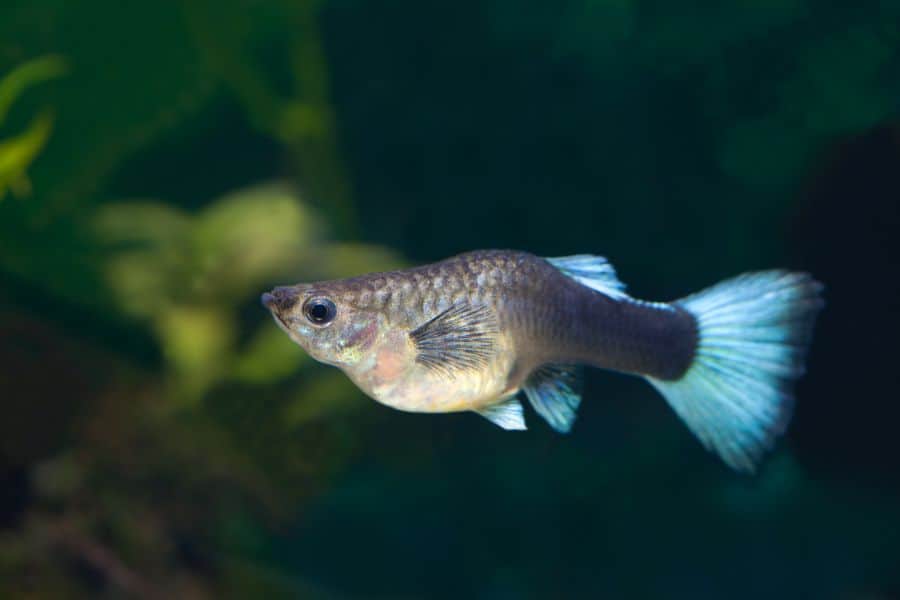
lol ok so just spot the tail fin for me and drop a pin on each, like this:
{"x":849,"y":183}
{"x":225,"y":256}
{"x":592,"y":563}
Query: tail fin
{"x":753,"y":333}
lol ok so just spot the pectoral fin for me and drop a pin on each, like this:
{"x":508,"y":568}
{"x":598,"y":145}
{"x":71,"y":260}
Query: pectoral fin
{"x":506,"y":414}
{"x":458,"y":339}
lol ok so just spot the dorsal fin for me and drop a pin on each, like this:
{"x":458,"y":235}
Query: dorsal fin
{"x":592,"y":271}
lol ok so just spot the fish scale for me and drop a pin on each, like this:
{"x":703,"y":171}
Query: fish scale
{"x":469,"y":332}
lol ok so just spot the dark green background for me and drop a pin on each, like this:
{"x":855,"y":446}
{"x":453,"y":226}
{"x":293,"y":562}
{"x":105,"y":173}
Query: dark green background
{"x":160,"y":438}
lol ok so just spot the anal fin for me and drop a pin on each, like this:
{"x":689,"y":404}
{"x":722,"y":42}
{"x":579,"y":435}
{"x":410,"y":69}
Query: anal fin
{"x":554,"y":392}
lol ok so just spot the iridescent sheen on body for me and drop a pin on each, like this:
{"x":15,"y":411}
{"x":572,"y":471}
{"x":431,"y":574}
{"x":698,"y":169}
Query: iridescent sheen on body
{"x":537,"y":316}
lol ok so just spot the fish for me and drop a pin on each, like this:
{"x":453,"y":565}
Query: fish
{"x":479,"y":330}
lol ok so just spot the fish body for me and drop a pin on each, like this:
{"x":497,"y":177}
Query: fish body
{"x":470,"y":332}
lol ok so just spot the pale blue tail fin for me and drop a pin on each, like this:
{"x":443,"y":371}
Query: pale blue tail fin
{"x":753,"y":333}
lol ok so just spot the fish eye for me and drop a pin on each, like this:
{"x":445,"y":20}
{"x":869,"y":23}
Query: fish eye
{"x":319,"y":311}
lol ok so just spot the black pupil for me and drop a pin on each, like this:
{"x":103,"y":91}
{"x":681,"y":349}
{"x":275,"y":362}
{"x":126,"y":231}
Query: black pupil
{"x":320,"y":312}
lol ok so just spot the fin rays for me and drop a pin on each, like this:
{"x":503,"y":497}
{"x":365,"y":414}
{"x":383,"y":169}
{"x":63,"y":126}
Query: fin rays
{"x":553,"y":391}
{"x":592,"y":271}
{"x":506,"y":414}
{"x":754,"y":331}
{"x":460,"y":338}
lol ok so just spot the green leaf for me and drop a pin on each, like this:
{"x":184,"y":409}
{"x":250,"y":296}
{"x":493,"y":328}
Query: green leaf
{"x":17,"y":153}
{"x":26,"y":75}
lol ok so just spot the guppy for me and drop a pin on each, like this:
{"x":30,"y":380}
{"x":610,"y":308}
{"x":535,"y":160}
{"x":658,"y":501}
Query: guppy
{"x":470,"y":332}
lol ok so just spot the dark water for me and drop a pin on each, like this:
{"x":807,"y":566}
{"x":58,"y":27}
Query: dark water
{"x":161,"y":438}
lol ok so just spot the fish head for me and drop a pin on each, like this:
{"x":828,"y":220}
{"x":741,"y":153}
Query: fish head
{"x":326,"y":321}
{"x":415,"y":354}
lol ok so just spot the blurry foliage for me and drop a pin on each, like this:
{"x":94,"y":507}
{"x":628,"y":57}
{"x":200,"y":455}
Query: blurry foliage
{"x":162,"y":435}
{"x":297,"y":112}
{"x":188,"y":275}
{"x":192,"y":278}
{"x":17,"y":153}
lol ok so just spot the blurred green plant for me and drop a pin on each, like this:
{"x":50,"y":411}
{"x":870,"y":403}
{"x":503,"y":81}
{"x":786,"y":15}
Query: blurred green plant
{"x":17,"y":153}
{"x":155,"y":474}
{"x":187,"y":275}
{"x":302,"y":117}
{"x":235,"y":457}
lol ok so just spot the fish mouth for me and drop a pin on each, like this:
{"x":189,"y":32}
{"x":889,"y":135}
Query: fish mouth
{"x":281,"y":298}
{"x":277,"y":302}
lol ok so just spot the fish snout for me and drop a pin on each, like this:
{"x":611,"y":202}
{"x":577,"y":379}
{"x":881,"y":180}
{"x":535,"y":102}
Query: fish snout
{"x":280,"y":299}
